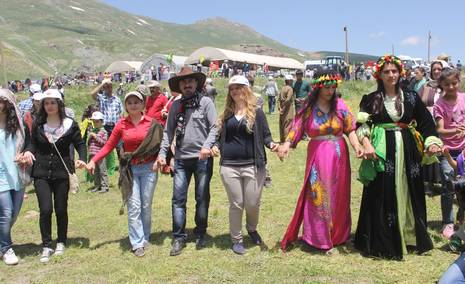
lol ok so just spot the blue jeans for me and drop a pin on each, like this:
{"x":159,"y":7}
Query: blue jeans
{"x":271,"y":103}
{"x":455,"y":272}
{"x":183,"y":170}
{"x":10,"y":205}
{"x":140,"y":204}
{"x":447,"y":197}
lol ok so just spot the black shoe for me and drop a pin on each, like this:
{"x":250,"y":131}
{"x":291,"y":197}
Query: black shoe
{"x":256,"y":239}
{"x":200,"y":242}
{"x":177,"y":247}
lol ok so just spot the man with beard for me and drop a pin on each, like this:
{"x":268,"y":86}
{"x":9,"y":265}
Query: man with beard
{"x":191,"y":122}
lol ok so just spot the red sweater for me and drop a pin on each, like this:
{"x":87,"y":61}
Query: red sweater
{"x":153,"y":107}
{"x":131,"y":135}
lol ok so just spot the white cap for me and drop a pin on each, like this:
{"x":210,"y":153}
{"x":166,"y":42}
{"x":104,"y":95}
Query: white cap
{"x":37,"y":96}
{"x":96,"y":115}
{"x":270,"y":77}
{"x":239,"y":80}
{"x":288,"y":77}
{"x":52,"y":94}
{"x":209,"y":81}
{"x":134,"y":94}
{"x":34,"y":88}
{"x":153,"y":84}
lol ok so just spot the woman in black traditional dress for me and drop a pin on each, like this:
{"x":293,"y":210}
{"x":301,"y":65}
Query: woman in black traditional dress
{"x":391,"y":126}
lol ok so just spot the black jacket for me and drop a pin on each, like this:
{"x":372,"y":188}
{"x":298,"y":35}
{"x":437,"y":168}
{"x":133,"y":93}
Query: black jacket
{"x":48,"y":164}
{"x":261,"y":136}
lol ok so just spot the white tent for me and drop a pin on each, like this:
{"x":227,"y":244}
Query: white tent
{"x":212,"y":53}
{"x":175,"y":64}
{"x":124,"y":66}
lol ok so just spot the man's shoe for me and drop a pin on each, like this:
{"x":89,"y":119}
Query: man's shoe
{"x":177,"y":247}
{"x":10,"y":258}
{"x":256,"y":239}
{"x":238,"y":248}
{"x":139,"y":252}
{"x":200,"y":242}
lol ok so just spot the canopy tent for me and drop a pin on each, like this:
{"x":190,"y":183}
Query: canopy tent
{"x":175,"y":62}
{"x":124,"y":66}
{"x":212,"y":53}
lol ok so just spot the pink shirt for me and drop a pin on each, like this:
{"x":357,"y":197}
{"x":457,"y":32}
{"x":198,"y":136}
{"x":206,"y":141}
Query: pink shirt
{"x":453,"y":115}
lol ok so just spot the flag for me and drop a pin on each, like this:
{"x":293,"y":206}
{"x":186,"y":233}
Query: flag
{"x":169,"y":58}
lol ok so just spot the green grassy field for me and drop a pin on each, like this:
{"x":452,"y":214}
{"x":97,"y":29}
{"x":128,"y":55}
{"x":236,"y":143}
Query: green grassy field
{"x":99,"y":250}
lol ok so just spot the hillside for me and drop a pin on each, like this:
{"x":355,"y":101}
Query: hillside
{"x":47,"y":36}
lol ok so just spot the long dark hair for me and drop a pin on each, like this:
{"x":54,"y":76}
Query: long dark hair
{"x":378,"y":101}
{"x":42,"y":115}
{"x":12,"y":122}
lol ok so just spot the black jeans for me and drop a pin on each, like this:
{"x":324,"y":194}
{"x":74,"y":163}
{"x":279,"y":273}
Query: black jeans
{"x":183,"y":170}
{"x":109,"y":129}
{"x":45,"y":188}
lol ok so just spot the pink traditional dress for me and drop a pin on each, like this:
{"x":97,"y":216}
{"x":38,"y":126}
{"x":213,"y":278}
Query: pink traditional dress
{"x":324,"y":201}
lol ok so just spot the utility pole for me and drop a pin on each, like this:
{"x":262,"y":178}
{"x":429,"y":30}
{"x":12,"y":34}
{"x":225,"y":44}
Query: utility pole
{"x":347,"y":46}
{"x":3,"y":63}
{"x":393,"y":51}
{"x":429,"y":46}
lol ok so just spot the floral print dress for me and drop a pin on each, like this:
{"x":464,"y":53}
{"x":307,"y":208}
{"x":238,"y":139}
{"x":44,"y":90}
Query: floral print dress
{"x":324,"y":202}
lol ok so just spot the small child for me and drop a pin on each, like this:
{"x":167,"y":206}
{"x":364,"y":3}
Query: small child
{"x":97,"y":138}
{"x":457,"y":185}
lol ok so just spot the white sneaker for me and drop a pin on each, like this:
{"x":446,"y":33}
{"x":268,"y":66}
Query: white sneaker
{"x":10,"y":258}
{"x":60,"y":250}
{"x":46,"y":254}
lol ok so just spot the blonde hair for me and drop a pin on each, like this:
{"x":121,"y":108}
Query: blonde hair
{"x":250,"y":105}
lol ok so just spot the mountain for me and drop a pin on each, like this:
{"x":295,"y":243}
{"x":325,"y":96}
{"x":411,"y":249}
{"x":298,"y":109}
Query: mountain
{"x":44,"y":37}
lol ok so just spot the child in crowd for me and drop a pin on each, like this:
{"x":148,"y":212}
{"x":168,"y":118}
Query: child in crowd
{"x":449,"y":113}
{"x":457,"y":186}
{"x":97,"y":139}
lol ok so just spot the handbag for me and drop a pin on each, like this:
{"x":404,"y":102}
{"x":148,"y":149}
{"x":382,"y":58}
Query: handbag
{"x":73,"y":179}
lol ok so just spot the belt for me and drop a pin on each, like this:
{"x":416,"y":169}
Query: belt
{"x":327,"y":137}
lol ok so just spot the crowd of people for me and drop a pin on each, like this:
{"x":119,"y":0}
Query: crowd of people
{"x":400,"y":132}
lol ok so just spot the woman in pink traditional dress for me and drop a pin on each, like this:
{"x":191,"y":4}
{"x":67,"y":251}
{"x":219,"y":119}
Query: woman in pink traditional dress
{"x":324,"y":202}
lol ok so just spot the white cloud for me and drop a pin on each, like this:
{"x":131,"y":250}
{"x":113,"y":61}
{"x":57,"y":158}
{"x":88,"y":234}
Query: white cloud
{"x":377,"y":34}
{"x":412,"y":40}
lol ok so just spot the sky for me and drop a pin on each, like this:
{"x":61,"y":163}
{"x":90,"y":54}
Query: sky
{"x":374,"y":27}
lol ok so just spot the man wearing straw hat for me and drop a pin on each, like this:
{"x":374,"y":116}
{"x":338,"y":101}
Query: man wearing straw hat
{"x":191,"y":122}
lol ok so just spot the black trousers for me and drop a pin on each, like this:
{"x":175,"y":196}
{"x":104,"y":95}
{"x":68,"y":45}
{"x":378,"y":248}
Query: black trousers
{"x":45,"y":189}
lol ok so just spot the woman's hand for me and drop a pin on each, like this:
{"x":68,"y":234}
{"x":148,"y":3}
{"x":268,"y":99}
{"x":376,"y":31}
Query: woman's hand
{"x":283,"y":150}
{"x":359,"y":151}
{"x":27,"y":158}
{"x":90,"y":167}
{"x":159,"y":163}
{"x":214,"y":151}
{"x":368,"y":150}
{"x":79,"y":164}
{"x":274,"y":147}
{"x":434,"y":150}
